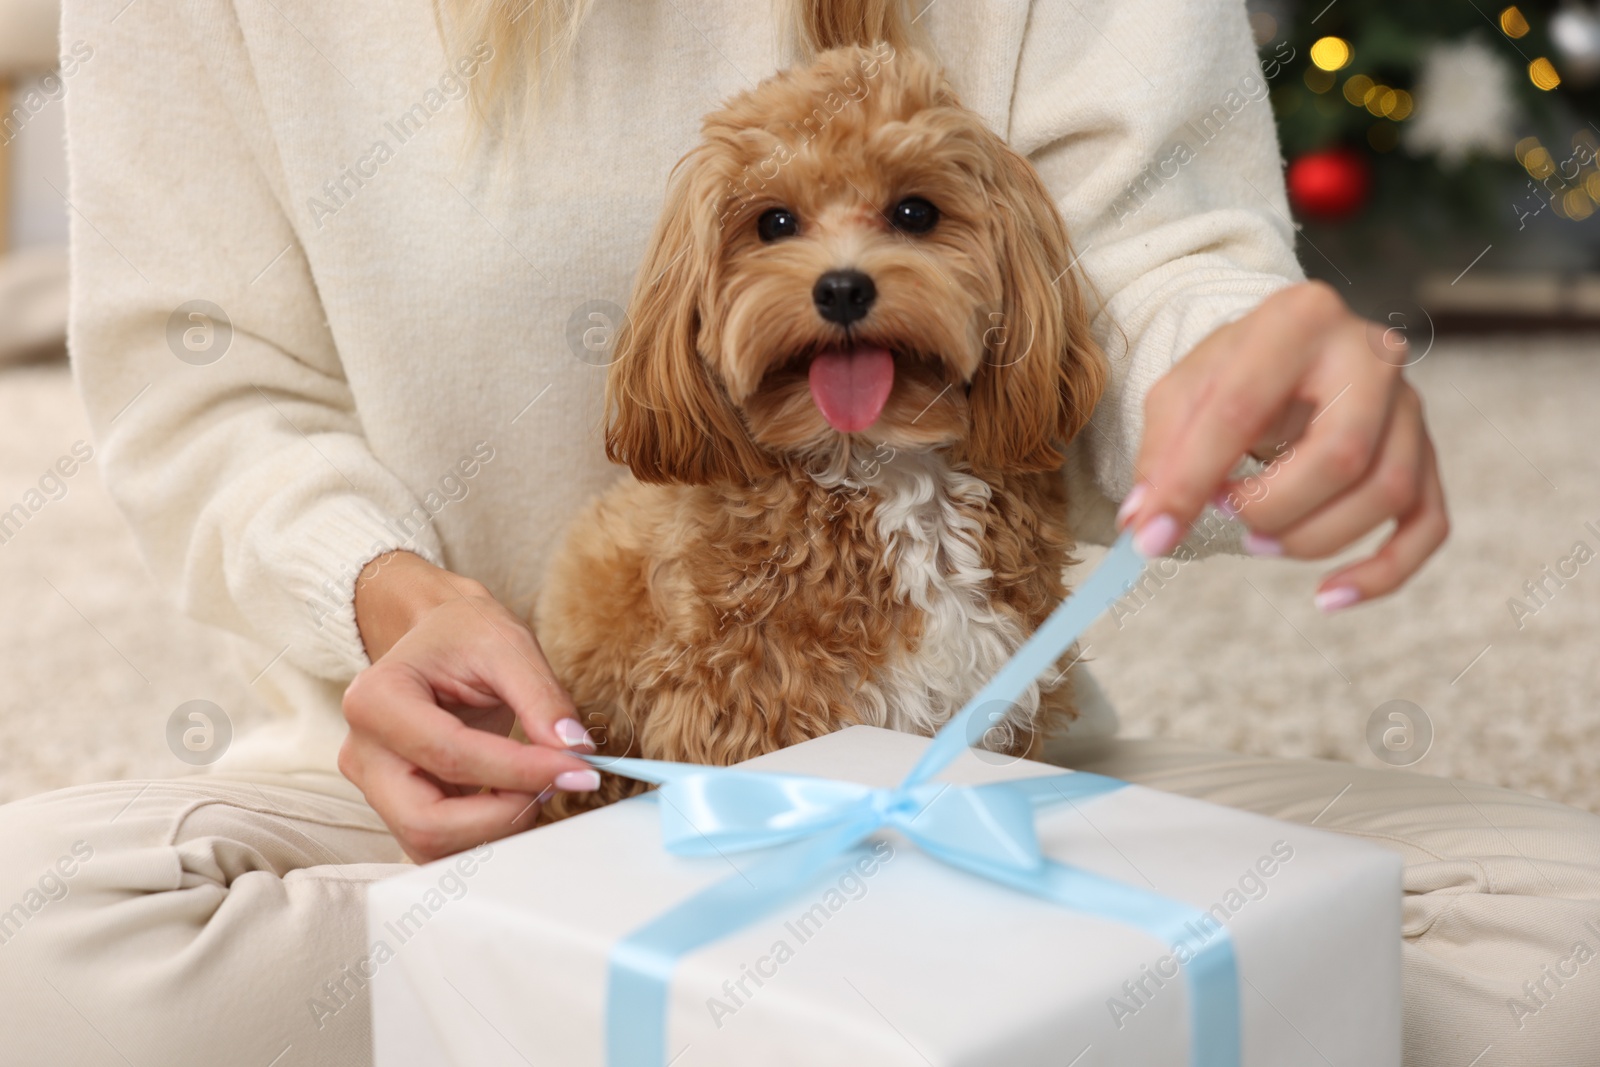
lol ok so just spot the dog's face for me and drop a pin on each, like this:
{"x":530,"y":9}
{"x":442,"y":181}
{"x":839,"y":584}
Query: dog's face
{"x":850,"y":257}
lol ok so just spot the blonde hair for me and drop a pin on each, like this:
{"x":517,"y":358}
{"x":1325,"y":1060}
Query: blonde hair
{"x":533,"y":40}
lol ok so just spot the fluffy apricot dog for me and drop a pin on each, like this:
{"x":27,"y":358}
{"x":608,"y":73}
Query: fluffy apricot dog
{"x":853,"y":354}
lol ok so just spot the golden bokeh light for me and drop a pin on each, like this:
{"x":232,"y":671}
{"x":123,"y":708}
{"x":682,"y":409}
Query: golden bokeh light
{"x":1592,"y":186}
{"x":1357,"y":88}
{"x":1578,"y":205}
{"x":1381,"y":100}
{"x":1539,"y":163}
{"x":1543,"y":74}
{"x":1524,"y":146}
{"x":1332,"y":53}
{"x":1512,"y":24}
{"x":1403,"y":105}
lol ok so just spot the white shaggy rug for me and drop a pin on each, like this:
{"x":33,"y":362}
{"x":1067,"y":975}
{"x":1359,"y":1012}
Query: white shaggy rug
{"x":1230,"y":652}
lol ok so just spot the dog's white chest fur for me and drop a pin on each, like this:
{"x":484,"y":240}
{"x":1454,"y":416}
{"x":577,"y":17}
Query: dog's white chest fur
{"x":934,"y":554}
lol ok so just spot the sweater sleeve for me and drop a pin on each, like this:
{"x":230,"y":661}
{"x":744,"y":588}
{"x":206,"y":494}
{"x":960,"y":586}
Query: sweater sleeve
{"x":1149,"y":121}
{"x":225,"y":428}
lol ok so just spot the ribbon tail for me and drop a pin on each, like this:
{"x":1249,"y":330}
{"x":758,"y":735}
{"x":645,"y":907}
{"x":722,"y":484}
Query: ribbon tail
{"x":1066,"y":624}
{"x":655,"y":771}
{"x":639,"y":972}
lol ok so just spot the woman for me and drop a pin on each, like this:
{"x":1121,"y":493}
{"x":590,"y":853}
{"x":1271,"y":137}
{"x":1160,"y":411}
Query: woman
{"x":334,"y":283}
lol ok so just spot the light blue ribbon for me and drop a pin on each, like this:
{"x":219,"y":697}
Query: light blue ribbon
{"x":811,"y":824}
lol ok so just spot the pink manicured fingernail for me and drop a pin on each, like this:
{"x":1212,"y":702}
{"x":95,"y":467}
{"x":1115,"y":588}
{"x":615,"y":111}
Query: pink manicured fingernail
{"x":1131,"y":502}
{"x":1220,"y":502}
{"x":1340,"y":596}
{"x":578,"y":781}
{"x":1257,"y":545}
{"x":1157,"y":537}
{"x":572,"y":734}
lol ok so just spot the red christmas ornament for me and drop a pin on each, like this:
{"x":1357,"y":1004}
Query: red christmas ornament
{"x":1330,"y":185}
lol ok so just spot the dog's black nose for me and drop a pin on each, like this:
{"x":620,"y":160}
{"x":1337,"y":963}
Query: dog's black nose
{"x":843,"y":296}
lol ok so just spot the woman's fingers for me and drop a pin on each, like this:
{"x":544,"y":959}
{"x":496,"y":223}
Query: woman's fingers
{"x":514,"y":665}
{"x":1215,"y":406}
{"x":1417,"y":536}
{"x":1339,"y":447}
{"x":395,"y":706}
{"x":1304,"y":377}
{"x":427,"y":822}
{"x":454,"y":667}
{"x":1390,"y":487}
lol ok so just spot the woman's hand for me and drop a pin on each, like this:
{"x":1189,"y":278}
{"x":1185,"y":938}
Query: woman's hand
{"x":1301,"y":370}
{"x":451,"y":670}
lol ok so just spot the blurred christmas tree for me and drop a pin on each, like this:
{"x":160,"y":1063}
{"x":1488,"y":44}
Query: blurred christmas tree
{"x":1441,"y":119}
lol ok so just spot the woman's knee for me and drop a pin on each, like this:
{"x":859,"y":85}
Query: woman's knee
{"x":130,"y":910}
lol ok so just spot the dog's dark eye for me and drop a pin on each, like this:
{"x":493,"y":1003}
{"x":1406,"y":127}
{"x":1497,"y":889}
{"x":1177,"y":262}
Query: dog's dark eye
{"x":914,"y":215}
{"x":777,"y":222}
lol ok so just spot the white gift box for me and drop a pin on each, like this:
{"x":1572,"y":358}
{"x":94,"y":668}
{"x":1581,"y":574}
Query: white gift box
{"x":499,"y":956}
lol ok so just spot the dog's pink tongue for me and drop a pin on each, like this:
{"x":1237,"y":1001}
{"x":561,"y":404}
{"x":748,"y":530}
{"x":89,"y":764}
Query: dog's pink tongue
{"x":851,"y":387}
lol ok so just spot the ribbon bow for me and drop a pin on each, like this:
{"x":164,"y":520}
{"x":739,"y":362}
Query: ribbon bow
{"x":710,"y":811}
{"x":807,"y":824}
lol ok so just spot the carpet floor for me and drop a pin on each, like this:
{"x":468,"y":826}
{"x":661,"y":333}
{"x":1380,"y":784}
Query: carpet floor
{"x":1229,"y":652}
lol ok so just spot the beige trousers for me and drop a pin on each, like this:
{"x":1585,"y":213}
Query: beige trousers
{"x":208,"y":921}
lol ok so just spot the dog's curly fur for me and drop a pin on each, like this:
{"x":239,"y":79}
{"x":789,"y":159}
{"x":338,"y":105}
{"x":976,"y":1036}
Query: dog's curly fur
{"x":764,"y":578}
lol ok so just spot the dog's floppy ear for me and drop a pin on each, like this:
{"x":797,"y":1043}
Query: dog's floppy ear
{"x":1042,"y":372}
{"x":666,"y":416}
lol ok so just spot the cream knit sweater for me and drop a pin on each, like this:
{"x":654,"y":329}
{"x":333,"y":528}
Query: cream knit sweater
{"x":402,"y":360}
